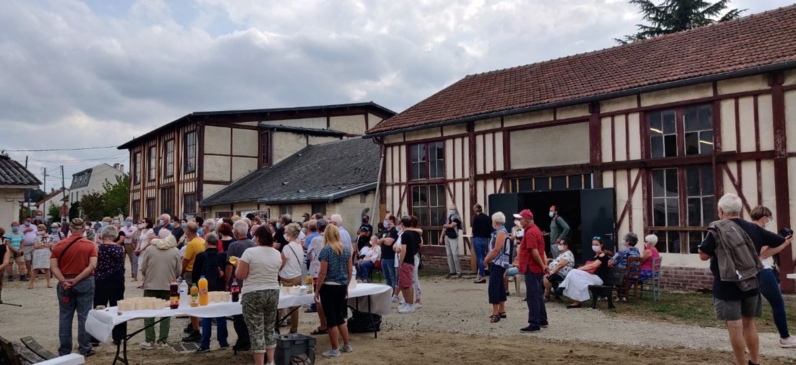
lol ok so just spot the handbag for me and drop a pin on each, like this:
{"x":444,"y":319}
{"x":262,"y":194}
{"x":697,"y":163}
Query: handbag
{"x":591,"y":271}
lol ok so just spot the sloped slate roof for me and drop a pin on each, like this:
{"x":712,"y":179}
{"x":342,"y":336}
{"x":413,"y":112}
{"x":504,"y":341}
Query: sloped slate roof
{"x":13,"y":173}
{"x":755,"y":44}
{"x":318,"y":173}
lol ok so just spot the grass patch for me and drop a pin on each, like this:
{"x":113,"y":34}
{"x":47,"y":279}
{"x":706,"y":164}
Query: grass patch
{"x":694,"y":309}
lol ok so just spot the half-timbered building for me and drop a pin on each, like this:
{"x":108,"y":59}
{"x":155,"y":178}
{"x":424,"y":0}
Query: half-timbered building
{"x":174,"y":167}
{"x":642,"y":137}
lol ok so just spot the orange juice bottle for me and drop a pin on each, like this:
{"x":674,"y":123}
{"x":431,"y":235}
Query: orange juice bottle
{"x":194,"y":296}
{"x":203,"y":297}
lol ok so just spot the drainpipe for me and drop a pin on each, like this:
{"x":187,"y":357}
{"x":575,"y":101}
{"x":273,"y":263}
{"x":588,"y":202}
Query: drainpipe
{"x":377,"y":197}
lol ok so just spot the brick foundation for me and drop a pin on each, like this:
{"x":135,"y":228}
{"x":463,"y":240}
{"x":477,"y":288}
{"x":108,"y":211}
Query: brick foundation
{"x":437,"y":264}
{"x":686,"y":278}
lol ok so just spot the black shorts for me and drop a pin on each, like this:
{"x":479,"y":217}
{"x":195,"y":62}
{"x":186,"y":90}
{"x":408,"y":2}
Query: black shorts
{"x":334,"y":304}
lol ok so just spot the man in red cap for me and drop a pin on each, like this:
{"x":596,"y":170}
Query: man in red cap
{"x":531,"y":257}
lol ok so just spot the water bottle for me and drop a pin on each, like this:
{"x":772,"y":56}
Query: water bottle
{"x":185,"y":297}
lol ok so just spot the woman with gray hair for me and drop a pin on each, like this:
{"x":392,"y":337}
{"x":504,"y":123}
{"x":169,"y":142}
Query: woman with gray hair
{"x":109,"y":274}
{"x":650,"y":252}
{"x":498,"y":261}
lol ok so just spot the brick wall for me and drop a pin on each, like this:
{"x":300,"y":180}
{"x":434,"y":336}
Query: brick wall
{"x":437,"y":264}
{"x":686,"y":278}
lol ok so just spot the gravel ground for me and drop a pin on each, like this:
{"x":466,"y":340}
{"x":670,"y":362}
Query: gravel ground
{"x":451,"y":308}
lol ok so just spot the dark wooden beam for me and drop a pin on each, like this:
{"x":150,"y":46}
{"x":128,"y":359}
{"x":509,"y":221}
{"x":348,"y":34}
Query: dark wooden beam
{"x":595,"y":142}
{"x":472,"y":164}
{"x":781,"y":174}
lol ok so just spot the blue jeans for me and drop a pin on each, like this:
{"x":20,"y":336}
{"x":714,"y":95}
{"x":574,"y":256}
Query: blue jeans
{"x":770,"y":290}
{"x":79,"y":298}
{"x":479,"y":247}
{"x":534,"y":291}
{"x":365,"y":268}
{"x":207,"y":332}
{"x":512,"y":271}
{"x":388,"y":268}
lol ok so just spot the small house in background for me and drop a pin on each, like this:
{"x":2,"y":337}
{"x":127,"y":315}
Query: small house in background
{"x":334,"y":177}
{"x":644,"y":137}
{"x":176,"y":166}
{"x":15,"y":180}
{"x":92,"y":180}
{"x":56,"y":197}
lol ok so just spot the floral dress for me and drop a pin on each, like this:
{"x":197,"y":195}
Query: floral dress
{"x":41,"y":255}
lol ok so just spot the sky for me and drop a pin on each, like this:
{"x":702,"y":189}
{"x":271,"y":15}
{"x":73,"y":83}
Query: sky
{"x":97,"y":73}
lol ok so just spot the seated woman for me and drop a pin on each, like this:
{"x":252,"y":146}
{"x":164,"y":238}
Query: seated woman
{"x":594,"y":272}
{"x":559,"y":267}
{"x":368,"y":261}
{"x":650,"y":252}
{"x":619,"y":261}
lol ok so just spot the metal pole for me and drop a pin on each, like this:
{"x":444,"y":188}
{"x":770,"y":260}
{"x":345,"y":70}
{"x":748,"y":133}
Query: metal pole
{"x":45,"y":180}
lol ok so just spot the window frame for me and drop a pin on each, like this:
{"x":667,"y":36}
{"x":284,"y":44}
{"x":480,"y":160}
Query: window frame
{"x":680,"y":131}
{"x":152,"y":163}
{"x":136,"y":210}
{"x":265,"y":153}
{"x":426,"y":161}
{"x":151,"y":204}
{"x":321,"y":208}
{"x":168,"y":160}
{"x":190,"y":152}
{"x":431,"y":232}
{"x":137,"y":168}
{"x":285,"y":209}
{"x":167,"y":203}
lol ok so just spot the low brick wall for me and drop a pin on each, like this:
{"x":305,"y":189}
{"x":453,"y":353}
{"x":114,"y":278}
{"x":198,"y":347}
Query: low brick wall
{"x":437,"y":264}
{"x":686,"y":278}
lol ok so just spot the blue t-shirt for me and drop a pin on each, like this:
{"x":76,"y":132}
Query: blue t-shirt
{"x":16,"y":239}
{"x":337,"y":271}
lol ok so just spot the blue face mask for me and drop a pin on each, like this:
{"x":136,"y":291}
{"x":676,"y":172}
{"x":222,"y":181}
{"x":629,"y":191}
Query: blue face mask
{"x":386,"y":224}
{"x":552,"y":214}
{"x":160,"y":223}
{"x":278,"y":226}
{"x":15,"y":228}
{"x":53,"y":230}
{"x":128,"y":224}
{"x":451,"y":212}
{"x":200,"y":232}
{"x":104,"y":224}
{"x":171,"y":225}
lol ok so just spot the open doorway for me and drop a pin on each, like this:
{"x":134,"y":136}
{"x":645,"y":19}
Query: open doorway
{"x":588,"y":212}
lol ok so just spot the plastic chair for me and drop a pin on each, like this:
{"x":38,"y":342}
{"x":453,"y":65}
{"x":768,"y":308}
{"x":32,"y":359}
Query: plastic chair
{"x":654,"y":282}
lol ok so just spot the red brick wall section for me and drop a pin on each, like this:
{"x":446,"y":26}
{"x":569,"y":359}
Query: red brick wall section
{"x":686,"y":279}
{"x":436,"y":264}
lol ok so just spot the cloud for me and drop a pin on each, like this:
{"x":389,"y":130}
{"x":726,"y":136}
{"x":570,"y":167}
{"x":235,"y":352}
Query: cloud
{"x":77,"y":74}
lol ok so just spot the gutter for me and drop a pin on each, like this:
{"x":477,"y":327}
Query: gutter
{"x":318,"y":199}
{"x":594,"y":98}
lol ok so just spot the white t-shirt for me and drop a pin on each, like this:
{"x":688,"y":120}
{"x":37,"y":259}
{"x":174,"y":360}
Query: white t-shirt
{"x":264,"y":263}
{"x":295,"y":257}
{"x":314,"y":250}
{"x":129,"y":232}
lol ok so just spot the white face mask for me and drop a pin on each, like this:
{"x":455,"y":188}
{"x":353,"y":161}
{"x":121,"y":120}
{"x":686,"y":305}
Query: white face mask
{"x":768,"y":222}
{"x":561,"y":247}
{"x":519,"y":233}
{"x":517,"y":223}
{"x":141,"y":226}
{"x":595,"y":248}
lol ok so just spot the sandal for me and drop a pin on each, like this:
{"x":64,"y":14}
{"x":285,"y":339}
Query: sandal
{"x":494,"y":319}
{"x":574,"y":306}
{"x":502,"y":315}
{"x":319,"y":331}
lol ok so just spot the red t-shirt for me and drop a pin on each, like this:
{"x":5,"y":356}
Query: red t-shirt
{"x":76,"y":259}
{"x":532,"y":239}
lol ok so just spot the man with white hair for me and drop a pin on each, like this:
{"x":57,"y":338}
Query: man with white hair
{"x":733,"y":247}
{"x":240,"y":230}
{"x":345,"y":237}
{"x":209,"y":226}
{"x":163,"y":228}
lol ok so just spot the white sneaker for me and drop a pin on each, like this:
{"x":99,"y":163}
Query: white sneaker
{"x":787,"y":342}
{"x":331,"y":353}
{"x":407,"y":309}
{"x":348,"y":348}
{"x":418,"y":305}
{"x":401,"y":301}
{"x":394,"y":299}
{"x":148,"y":345}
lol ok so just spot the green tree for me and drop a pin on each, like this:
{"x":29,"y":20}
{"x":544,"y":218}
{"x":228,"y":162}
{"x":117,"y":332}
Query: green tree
{"x":93,"y":206}
{"x":74,"y":210}
{"x":673,"y":16}
{"x":54,"y":213}
{"x":117,"y":196}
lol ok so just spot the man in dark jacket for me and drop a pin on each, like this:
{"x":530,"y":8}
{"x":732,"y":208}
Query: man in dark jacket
{"x":209,"y":264}
{"x":482,"y":232}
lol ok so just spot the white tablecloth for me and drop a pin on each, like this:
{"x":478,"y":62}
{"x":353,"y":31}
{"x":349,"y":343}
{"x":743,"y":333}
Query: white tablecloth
{"x":100,"y":323}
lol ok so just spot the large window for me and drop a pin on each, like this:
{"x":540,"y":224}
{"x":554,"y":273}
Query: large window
{"x":150,"y":209}
{"x":428,"y":205}
{"x":681,"y":132}
{"x":168,"y":170}
{"x":137,"y":168}
{"x":136,"y":211}
{"x":265,"y":149}
{"x":153,"y":161}
{"x":683,"y":204}
{"x":428,"y":161}
{"x":167,"y":201}
{"x":189,"y":205}
{"x":190,"y":152}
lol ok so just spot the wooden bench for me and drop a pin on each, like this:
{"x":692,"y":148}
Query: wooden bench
{"x":618,"y":282}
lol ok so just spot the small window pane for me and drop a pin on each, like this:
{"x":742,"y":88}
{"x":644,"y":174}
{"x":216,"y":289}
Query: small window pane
{"x":673,"y":242}
{"x":671,"y":183}
{"x":542,"y":184}
{"x":656,"y":146}
{"x":526,"y":185}
{"x":587,"y":181}
{"x":708,"y":210}
{"x":694,"y":212}
{"x":670,"y":145}
{"x":559,"y":183}
{"x":706,"y":142}
{"x":706,"y":117}
{"x":706,"y":173}
{"x":669,"y":126}
{"x":692,"y":179}
{"x":655,"y":123}
{"x":692,"y":143}
{"x":659,"y":212}
{"x":438,"y":216}
{"x":690,"y":119}
{"x":658,"y":183}
{"x":672,"y":212}
{"x":576,"y":182}
{"x":695,"y":238}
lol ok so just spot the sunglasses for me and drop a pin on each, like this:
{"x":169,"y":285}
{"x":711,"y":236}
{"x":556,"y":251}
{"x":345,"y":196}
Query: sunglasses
{"x":597,"y":238}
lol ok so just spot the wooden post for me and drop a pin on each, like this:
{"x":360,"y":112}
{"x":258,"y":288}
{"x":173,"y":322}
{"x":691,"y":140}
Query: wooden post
{"x":781,"y":174}
{"x":595,"y":143}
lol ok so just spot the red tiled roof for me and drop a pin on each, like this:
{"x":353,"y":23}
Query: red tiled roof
{"x":759,"y":40}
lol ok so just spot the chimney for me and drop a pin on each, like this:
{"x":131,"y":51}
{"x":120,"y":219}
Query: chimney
{"x":116,"y":166}
{"x":121,"y":167}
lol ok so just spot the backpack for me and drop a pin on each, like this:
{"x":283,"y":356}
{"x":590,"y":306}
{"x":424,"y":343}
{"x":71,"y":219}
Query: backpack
{"x":736,"y":254}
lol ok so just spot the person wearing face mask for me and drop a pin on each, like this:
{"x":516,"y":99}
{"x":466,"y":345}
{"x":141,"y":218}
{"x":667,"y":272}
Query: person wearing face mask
{"x":145,"y":232}
{"x":29,"y":230}
{"x":388,"y":238}
{"x":559,"y":267}
{"x":769,"y":286}
{"x":14,"y":244}
{"x":129,"y":231}
{"x":279,"y":236}
{"x":532,"y":264}
{"x":451,"y":229}
{"x":558,"y":230}
{"x":41,"y":256}
{"x":594,"y":272}
{"x":98,"y":233}
{"x":498,"y":261}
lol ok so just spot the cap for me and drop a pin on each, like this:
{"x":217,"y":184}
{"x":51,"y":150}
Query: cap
{"x":77,"y":223}
{"x":524,"y":214}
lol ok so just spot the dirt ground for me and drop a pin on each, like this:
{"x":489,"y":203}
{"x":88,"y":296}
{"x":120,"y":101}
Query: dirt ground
{"x":452,"y":328}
